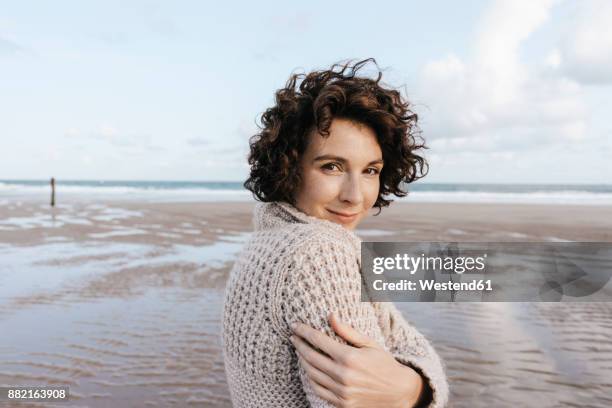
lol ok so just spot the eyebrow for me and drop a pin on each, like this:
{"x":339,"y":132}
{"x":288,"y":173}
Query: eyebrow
{"x":342,"y":159}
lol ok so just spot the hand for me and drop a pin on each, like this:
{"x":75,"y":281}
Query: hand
{"x":361,"y":375}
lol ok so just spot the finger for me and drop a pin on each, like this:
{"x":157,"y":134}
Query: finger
{"x":349,"y":334}
{"x":324,"y":393}
{"x":320,"y":377}
{"x":316,"y":359}
{"x":320,"y":340}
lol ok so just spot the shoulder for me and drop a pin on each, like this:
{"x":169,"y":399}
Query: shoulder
{"x":319,"y":263}
{"x":321,"y":275}
{"x":298,"y":240}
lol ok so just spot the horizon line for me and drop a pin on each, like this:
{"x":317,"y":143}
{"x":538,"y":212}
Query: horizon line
{"x":242,"y":181}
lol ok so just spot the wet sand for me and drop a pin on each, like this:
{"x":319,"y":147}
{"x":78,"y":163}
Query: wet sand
{"x":121,"y":301}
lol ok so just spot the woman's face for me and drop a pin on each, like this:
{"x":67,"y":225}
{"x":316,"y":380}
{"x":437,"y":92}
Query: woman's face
{"x":340,"y":174}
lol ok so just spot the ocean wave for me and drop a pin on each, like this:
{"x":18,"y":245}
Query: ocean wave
{"x":114,"y":190}
{"x":169,"y":191}
{"x":553,"y":197}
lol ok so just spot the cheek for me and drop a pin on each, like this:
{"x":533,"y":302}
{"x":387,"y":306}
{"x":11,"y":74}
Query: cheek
{"x":371,"y":192}
{"x":319,"y":187}
{"x":326,"y":187}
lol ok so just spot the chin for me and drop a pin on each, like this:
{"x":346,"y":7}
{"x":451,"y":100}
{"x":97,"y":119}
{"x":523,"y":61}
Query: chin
{"x":350,"y":226}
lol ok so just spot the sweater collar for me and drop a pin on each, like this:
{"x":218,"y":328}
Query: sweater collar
{"x":279,"y":213}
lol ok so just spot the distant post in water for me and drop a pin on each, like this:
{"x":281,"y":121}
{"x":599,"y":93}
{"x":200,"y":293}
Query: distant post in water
{"x":52,"y":192}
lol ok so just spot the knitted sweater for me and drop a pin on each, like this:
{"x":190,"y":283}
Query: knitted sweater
{"x":299,"y":268}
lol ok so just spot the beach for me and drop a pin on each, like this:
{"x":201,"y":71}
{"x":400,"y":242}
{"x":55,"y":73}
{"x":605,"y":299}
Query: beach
{"x":121,"y":301}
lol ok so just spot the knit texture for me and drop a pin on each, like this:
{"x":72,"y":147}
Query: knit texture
{"x":300,"y":268}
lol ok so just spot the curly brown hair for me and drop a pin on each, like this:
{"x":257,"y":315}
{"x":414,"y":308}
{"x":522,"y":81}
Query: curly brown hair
{"x":322,"y":96}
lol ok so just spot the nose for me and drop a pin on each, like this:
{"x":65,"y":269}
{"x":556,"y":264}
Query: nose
{"x":351,"y":191}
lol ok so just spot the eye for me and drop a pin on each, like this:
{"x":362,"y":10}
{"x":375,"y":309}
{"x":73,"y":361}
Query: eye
{"x":330,"y":166}
{"x":373,"y":171}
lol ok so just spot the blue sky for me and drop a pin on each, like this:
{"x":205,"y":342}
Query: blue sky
{"x":508,"y":91}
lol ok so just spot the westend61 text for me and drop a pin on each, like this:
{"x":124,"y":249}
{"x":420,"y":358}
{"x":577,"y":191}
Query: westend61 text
{"x":404,"y":284}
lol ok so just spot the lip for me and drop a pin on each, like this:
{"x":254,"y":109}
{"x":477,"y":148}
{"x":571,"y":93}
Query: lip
{"x":344,"y":216}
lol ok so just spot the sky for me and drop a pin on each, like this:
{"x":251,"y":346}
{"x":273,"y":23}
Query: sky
{"x":506,"y":91}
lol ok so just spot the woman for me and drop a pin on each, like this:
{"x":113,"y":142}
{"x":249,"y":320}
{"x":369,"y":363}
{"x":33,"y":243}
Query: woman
{"x":295,"y":331}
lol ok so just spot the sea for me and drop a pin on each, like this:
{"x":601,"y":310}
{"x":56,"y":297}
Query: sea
{"x":168,"y":191}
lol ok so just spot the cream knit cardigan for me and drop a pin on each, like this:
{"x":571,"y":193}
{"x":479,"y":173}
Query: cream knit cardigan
{"x":299,"y":268}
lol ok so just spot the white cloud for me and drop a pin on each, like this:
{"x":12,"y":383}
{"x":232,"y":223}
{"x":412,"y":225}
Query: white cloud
{"x":87,"y":160}
{"x":198,"y":141}
{"x":553,"y":59}
{"x":10,"y":47}
{"x":586,"y":51}
{"x":164,"y":26}
{"x":130,"y":143}
{"x":72,"y":132}
{"x":493,"y":101}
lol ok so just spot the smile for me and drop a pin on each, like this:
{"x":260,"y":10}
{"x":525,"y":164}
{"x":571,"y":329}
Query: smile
{"x":343,"y":216}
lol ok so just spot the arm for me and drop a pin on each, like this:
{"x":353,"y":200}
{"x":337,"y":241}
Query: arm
{"x":325,"y":277}
{"x":411,"y":348}
{"x":364,"y":374}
